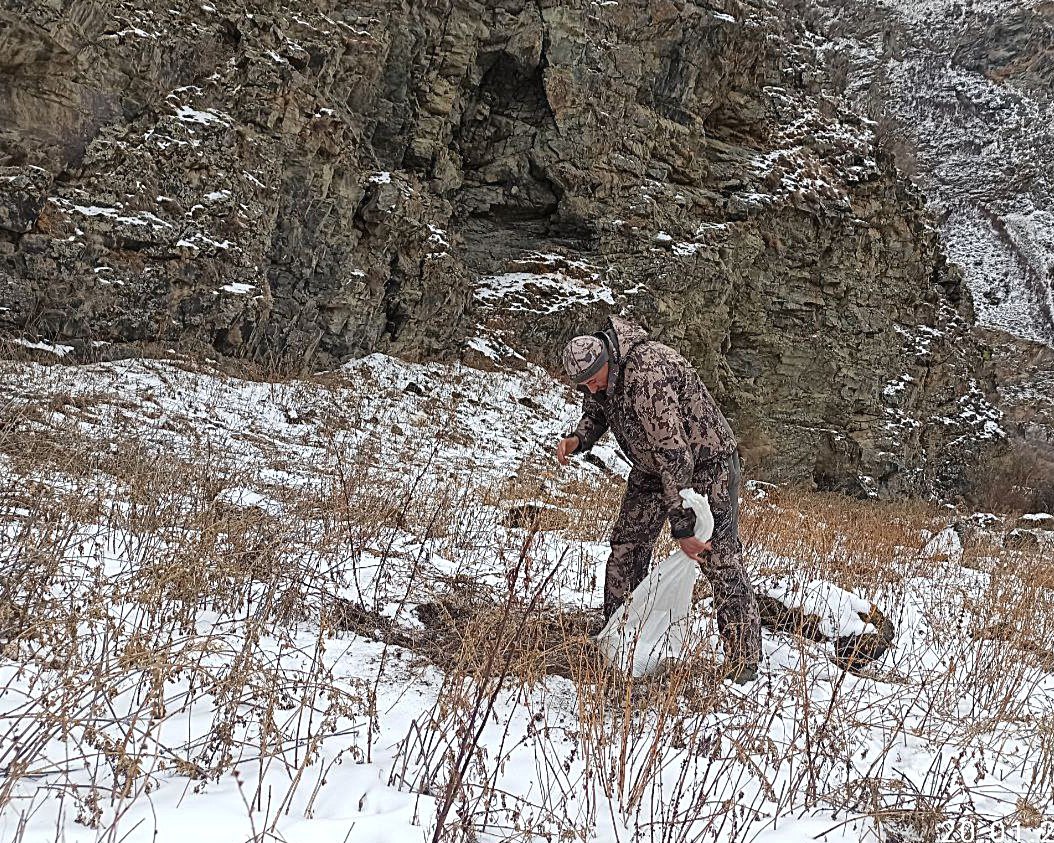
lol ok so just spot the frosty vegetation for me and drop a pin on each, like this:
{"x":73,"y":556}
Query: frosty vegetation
{"x":356,"y":608}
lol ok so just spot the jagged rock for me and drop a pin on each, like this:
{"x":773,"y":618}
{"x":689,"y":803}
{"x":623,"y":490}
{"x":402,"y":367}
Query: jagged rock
{"x":23,"y":191}
{"x":1024,"y":373}
{"x":1028,"y":539}
{"x":1036,"y":521}
{"x":303,"y":183}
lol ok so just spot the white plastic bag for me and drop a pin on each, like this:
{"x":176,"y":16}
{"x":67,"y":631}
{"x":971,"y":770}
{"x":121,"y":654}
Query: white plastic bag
{"x":651,"y":625}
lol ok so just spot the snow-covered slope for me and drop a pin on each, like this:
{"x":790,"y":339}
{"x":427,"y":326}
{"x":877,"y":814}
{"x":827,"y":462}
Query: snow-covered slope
{"x":962,"y":93}
{"x":239,"y":611}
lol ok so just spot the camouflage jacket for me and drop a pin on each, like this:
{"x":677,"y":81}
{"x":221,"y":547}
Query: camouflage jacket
{"x":660,"y":412}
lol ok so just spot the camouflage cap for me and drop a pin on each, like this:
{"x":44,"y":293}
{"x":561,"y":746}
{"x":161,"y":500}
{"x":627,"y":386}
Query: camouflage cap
{"x":583,"y":357}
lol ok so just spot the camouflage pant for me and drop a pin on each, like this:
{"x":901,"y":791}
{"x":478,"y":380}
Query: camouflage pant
{"x":637,"y":527}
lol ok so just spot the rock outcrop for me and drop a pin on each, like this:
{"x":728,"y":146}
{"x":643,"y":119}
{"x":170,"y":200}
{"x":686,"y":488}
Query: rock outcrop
{"x":962,"y":95}
{"x":1024,"y":372}
{"x":299,"y":183}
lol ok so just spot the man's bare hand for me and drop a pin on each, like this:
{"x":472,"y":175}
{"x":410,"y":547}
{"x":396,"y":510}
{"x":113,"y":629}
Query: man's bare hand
{"x":693,"y":548}
{"x":564,"y":449}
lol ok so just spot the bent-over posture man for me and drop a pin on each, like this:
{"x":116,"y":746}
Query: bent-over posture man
{"x":673,"y":433}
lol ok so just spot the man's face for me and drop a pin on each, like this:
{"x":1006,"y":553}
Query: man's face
{"x":597,"y":383}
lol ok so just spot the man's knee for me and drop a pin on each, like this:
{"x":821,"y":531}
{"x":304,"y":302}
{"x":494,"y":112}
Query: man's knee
{"x":621,"y":558}
{"x":725,"y":570}
{"x":628,"y":563}
{"x":626,"y":568}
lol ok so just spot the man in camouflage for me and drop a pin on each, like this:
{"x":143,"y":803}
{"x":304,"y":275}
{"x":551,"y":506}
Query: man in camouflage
{"x":671,"y":430}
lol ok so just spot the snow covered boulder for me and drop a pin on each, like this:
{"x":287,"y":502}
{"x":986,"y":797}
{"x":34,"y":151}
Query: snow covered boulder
{"x":1034,"y":530}
{"x":1021,"y":538}
{"x":234,"y":500}
{"x":945,"y":545}
{"x":821,"y":611}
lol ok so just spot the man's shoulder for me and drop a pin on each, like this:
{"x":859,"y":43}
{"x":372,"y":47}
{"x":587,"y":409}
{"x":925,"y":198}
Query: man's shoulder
{"x":654,"y":362}
{"x":657,"y":354}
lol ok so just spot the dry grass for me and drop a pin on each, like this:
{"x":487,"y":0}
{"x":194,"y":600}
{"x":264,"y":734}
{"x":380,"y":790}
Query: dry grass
{"x":130,"y":577}
{"x":1021,"y":479}
{"x":853,"y":543}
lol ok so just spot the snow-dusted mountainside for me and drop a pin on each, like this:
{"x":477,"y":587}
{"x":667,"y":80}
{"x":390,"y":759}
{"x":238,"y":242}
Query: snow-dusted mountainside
{"x":963,"y":94}
{"x":349,"y":597}
{"x":353,"y":608}
{"x":302,"y":183}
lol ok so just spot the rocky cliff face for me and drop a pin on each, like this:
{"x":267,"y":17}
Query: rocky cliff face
{"x":299,"y":183}
{"x":963,"y":93}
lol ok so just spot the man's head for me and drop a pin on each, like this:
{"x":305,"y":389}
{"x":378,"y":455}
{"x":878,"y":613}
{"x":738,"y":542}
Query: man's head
{"x":585,"y":360}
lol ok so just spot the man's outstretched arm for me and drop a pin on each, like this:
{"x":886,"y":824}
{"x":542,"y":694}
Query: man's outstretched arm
{"x":591,"y":427}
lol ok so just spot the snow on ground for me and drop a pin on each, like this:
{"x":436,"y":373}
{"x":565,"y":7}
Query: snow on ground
{"x":838,"y":610}
{"x":215,"y":567}
{"x":925,"y":11}
{"x":50,"y":348}
{"x":518,"y":290}
{"x":1004,"y":296}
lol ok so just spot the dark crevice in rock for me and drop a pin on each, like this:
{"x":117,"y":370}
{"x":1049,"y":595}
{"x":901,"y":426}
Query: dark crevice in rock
{"x":668,"y":95}
{"x":395,"y":313}
{"x":128,"y":244}
{"x":837,"y":466}
{"x":496,"y":138}
{"x":390,"y":134}
{"x":510,"y":201}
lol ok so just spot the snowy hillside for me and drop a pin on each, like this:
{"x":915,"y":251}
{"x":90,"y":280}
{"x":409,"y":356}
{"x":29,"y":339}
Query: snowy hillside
{"x":356,"y":608}
{"x":972,"y":118}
